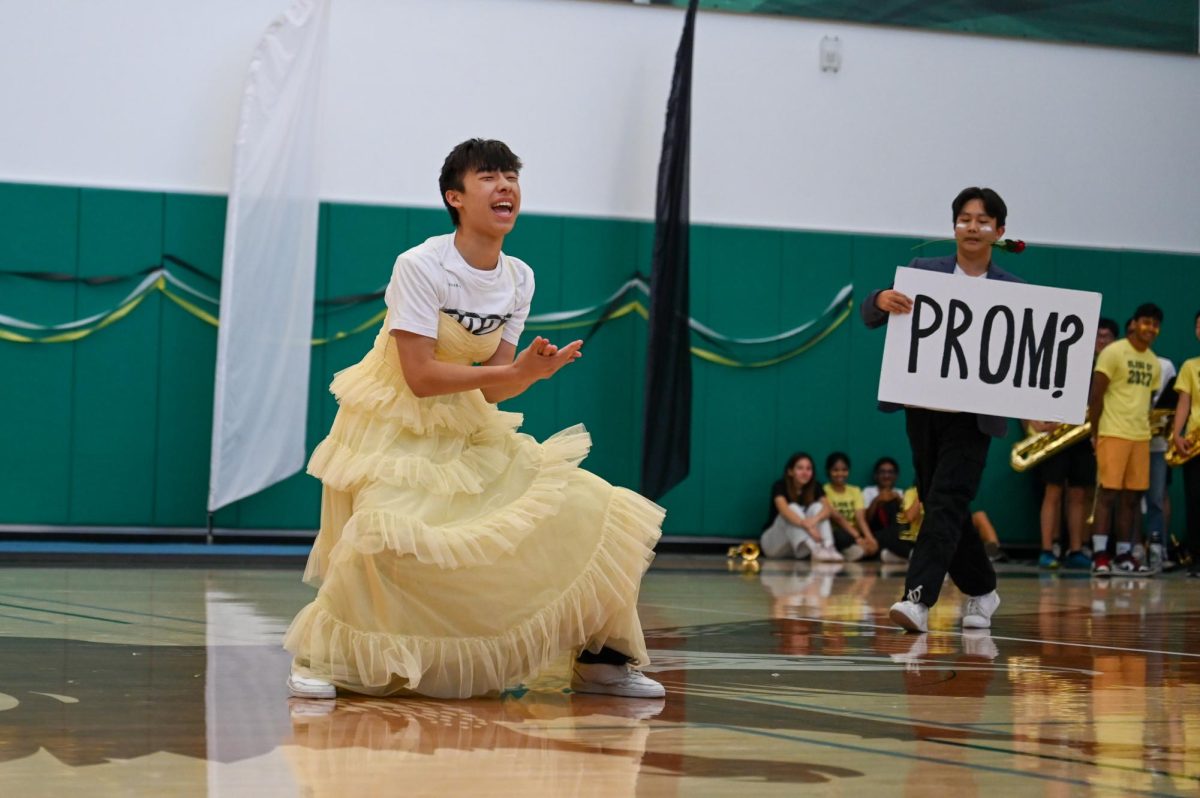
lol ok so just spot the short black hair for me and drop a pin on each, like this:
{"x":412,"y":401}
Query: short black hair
{"x":833,"y":459}
{"x":1148,"y":310}
{"x":474,"y":155}
{"x":1110,"y":325}
{"x":992,"y":203}
{"x":885,"y":461}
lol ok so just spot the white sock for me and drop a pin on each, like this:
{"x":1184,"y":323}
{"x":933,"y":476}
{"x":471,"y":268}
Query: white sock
{"x":1124,"y":547}
{"x":1099,"y":543}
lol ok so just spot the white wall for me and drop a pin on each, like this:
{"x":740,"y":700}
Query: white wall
{"x":1090,"y":146}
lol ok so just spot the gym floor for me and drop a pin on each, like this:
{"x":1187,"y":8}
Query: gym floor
{"x":167,"y":679}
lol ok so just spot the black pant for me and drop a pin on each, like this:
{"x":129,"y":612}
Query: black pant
{"x":1191,"y":493}
{"x":949,"y":453}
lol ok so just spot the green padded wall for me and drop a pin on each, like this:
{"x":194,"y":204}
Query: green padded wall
{"x":115,"y":429}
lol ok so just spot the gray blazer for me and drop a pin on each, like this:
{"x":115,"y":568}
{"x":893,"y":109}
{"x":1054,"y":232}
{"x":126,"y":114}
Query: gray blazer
{"x":995,"y":426}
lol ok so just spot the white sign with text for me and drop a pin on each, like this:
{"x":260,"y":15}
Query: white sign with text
{"x":990,"y":346}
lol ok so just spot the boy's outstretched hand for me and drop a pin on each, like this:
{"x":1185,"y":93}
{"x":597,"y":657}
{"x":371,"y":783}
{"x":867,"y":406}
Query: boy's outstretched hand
{"x":542,"y":359}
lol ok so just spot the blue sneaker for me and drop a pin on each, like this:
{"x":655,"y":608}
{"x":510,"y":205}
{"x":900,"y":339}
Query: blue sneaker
{"x":1077,"y":560}
{"x":1048,"y":561}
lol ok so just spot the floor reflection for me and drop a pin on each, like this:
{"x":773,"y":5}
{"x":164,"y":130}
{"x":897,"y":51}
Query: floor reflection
{"x":155,"y":682}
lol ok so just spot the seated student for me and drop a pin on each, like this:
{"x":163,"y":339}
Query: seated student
{"x":890,"y":514}
{"x":851,"y":535}
{"x":798,"y":523}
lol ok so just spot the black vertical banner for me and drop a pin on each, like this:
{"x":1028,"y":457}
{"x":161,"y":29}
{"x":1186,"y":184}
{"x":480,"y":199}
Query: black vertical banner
{"x":667,"y":419}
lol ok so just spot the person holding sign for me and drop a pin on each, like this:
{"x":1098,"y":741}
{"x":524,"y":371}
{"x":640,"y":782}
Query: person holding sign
{"x":949,"y":448}
{"x":1126,"y":377}
{"x":1183,"y":435}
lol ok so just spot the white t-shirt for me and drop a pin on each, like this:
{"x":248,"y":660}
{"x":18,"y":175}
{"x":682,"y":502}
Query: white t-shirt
{"x":432,"y":278}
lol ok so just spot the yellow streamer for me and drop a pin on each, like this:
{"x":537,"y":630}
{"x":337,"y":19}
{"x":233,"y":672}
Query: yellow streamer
{"x":366,"y":325}
{"x":196,"y":311}
{"x":631,"y":307}
{"x":76,"y":335}
{"x":721,"y":360}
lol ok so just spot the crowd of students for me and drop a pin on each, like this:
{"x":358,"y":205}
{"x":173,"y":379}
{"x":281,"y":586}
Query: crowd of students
{"x":1127,"y":529}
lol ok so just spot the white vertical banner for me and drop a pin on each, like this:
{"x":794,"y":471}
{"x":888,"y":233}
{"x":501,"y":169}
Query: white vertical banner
{"x":268,"y":276}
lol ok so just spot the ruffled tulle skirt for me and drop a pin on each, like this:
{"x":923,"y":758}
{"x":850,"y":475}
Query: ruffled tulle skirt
{"x":456,"y":556}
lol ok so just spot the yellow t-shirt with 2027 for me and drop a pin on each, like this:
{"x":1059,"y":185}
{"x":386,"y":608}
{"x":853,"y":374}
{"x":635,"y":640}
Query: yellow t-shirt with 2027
{"x":1188,"y":382}
{"x":1133,"y":377}
{"x":846,"y":503}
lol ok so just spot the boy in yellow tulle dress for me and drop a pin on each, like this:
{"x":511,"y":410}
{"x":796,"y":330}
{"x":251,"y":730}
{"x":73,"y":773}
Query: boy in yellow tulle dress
{"x":456,"y":556}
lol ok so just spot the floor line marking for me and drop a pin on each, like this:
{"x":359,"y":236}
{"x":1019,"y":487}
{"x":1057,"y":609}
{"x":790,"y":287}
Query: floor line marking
{"x":27,"y":620}
{"x":1011,"y":639}
{"x":1068,"y":760}
{"x":62,"y":612}
{"x":104,"y":609}
{"x":922,"y":758}
{"x":910,"y":721}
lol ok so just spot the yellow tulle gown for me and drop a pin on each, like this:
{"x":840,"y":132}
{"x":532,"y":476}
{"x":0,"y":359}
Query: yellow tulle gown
{"x":456,"y":556}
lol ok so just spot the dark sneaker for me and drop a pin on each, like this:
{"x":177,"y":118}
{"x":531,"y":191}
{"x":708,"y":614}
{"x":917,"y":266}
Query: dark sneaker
{"x":1102,"y":565}
{"x":1077,"y":560}
{"x":1125,"y":564}
{"x":1048,"y":561}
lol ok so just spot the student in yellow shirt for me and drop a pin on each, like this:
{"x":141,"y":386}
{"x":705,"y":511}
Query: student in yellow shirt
{"x":851,"y":534}
{"x":1187,"y":419}
{"x":1127,"y":374}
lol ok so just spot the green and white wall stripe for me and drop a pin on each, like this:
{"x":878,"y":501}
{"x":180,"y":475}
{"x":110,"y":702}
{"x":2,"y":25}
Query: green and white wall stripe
{"x":114,"y":429}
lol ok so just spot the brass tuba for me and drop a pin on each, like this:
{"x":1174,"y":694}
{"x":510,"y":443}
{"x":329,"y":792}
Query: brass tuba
{"x":1160,"y":422}
{"x":1037,"y":446}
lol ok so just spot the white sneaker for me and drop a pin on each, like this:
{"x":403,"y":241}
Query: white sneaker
{"x":602,"y":679}
{"x":911,"y":615}
{"x":305,"y":687}
{"x":827,"y":554}
{"x":892,"y":558}
{"x":979,"y":609}
{"x":853,"y":553}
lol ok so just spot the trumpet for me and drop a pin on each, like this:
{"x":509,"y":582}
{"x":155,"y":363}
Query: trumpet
{"x":1038,"y":446}
{"x":1175,"y":457}
{"x":747,"y":552}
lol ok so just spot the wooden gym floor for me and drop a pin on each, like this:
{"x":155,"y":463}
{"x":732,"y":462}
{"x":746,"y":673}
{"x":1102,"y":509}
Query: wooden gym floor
{"x":170,"y":682}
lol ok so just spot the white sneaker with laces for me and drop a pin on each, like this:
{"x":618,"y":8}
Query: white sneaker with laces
{"x":979,"y":609}
{"x":912,"y":615}
{"x":891,"y":557}
{"x":306,"y":687}
{"x":601,"y":679}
